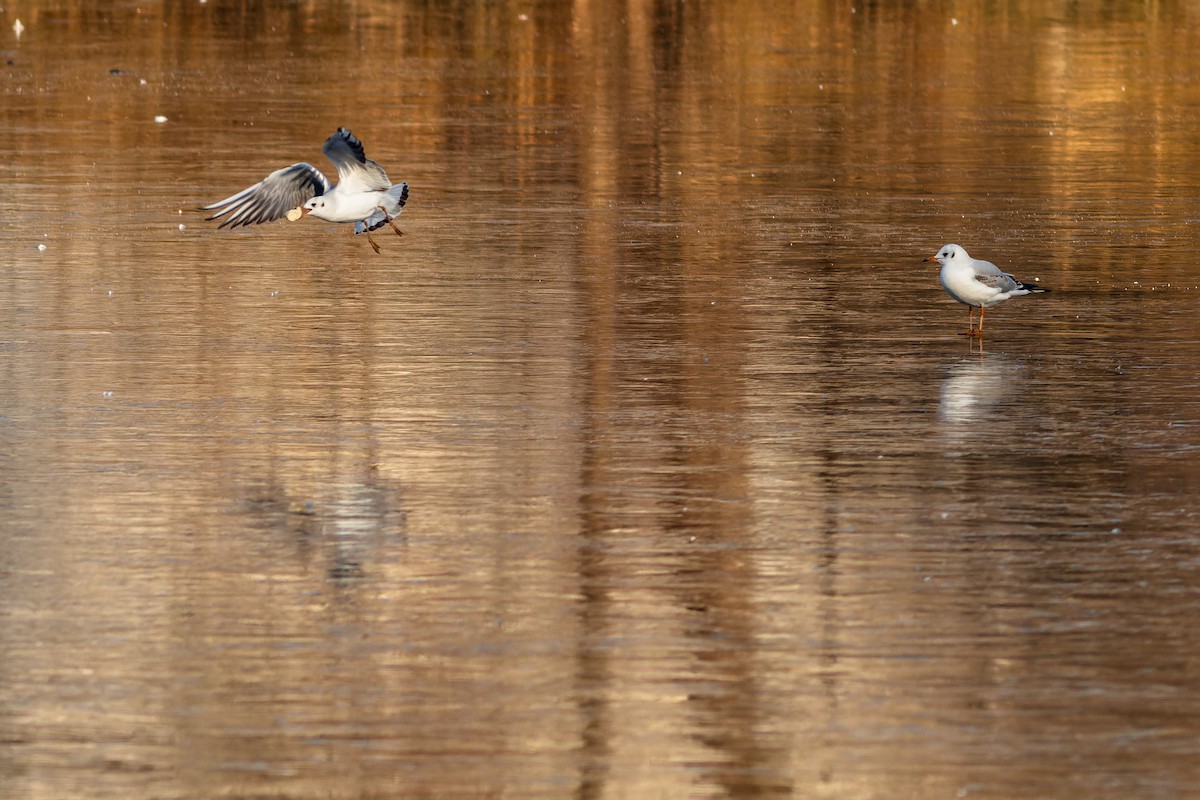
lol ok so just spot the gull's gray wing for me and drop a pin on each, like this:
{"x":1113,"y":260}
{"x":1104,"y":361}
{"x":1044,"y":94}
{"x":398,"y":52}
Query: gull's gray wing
{"x":989,"y":274}
{"x":356,"y":172}
{"x":273,"y":196}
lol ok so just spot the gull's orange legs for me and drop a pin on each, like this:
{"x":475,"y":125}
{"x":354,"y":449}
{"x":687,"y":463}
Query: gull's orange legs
{"x":390,"y":222}
{"x":979,"y":330}
{"x":970,"y":331}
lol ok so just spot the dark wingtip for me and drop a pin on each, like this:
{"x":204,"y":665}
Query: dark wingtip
{"x":355,"y":144}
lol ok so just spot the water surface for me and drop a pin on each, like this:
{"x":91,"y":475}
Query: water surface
{"x":650,"y":462}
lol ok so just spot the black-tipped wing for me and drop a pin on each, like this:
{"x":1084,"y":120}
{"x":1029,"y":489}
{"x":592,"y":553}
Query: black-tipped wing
{"x":356,"y":172}
{"x":273,"y":196}
{"x":342,"y":145}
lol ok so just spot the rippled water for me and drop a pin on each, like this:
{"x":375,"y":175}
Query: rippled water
{"x":650,"y":462}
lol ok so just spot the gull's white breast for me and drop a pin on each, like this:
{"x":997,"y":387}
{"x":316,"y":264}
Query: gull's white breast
{"x":960,"y":283}
{"x":342,"y":207}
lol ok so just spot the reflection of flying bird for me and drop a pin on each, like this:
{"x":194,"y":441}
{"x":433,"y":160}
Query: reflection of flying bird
{"x":364,"y":195}
{"x":977,"y":284}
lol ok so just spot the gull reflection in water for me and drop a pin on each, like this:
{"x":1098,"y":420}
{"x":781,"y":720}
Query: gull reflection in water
{"x":351,"y":525}
{"x":974,"y":388}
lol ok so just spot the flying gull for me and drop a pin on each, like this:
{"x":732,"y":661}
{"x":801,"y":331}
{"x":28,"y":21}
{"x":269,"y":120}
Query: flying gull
{"x":363,"y":195}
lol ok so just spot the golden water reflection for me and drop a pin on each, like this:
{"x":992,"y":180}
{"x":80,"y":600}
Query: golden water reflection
{"x":649,"y":463}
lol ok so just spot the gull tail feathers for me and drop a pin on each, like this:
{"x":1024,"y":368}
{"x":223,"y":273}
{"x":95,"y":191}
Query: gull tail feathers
{"x":393,"y":202}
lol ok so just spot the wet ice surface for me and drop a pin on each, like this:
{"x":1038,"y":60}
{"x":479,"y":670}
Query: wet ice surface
{"x":649,"y":463}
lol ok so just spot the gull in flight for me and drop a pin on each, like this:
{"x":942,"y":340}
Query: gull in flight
{"x":977,"y":284}
{"x":364,"y":195}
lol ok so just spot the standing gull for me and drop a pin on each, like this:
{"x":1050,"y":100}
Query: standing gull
{"x":977,"y":284}
{"x":364,"y":195}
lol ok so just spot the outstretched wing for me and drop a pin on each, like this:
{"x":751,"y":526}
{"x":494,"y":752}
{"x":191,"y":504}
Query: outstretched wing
{"x":273,"y":196}
{"x":356,"y":172}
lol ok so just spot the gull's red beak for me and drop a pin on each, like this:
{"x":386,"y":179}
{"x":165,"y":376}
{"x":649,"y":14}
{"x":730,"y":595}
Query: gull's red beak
{"x":931,"y":258}
{"x":305,"y":210}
